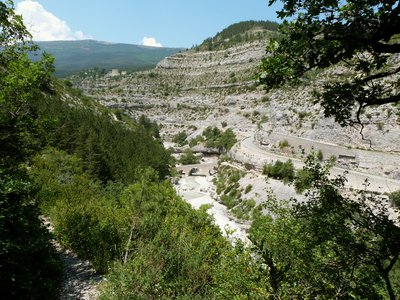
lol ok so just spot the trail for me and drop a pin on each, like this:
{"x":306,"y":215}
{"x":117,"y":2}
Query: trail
{"x":80,"y":280}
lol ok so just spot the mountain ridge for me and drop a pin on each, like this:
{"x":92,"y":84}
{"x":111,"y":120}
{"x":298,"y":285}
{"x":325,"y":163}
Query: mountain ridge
{"x":75,"y":56}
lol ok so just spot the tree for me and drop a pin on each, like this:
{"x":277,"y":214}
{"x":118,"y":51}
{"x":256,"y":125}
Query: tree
{"x":360,"y":34}
{"x":222,"y":140}
{"x":21,"y":82}
{"x":149,"y":126}
{"x":332,"y":246}
{"x":227,"y":140}
{"x":359,"y":231}
{"x":280,"y":170}
{"x":189,"y":158}
{"x":180,"y":138}
{"x":394,"y":197}
{"x":29,"y":265}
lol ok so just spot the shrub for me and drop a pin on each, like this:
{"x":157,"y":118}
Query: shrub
{"x":195,"y":141}
{"x":189,"y":158}
{"x":320,"y":155}
{"x":395,"y":198}
{"x":248,"y":189}
{"x":180,"y":138}
{"x":280,"y":170}
{"x":215,"y":138}
{"x":283,"y":144}
{"x":303,"y":180}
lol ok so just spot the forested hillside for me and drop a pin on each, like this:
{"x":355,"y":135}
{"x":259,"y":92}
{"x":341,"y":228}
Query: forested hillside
{"x":238,"y":33}
{"x":75,"y":56}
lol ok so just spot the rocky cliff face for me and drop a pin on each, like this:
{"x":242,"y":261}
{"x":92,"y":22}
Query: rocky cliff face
{"x":192,"y":90}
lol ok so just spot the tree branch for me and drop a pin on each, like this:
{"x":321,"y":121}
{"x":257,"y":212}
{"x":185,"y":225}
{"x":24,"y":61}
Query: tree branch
{"x":383,"y":48}
{"x":390,"y":26}
{"x":380,"y":101}
{"x":380,"y":75}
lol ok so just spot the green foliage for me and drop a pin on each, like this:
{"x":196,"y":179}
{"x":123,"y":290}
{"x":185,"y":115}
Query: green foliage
{"x":222,"y":140}
{"x":196,"y":140}
{"x":29,"y":265}
{"x":189,"y":158}
{"x":248,"y":189}
{"x":177,"y":262}
{"x":151,"y":243}
{"x":283,"y":144}
{"x":330,"y":245}
{"x":180,"y":138}
{"x":149,"y":126}
{"x":280,"y":170}
{"x":227,"y":185}
{"x":84,"y":212}
{"x":319,"y":35}
{"x":320,"y":155}
{"x":110,"y":150}
{"x":241,"y":32}
{"x":99,"y":222}
{"x":246,"y":209}
{"x":75,"y":56}
{"x":277,"y":240}
{"x":303,"y":180}
{"x":239,"y":276}
{"x":395,"y":198}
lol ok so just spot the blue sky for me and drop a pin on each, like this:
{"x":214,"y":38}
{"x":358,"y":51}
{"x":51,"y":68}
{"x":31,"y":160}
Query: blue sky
{"x":170,"y":23}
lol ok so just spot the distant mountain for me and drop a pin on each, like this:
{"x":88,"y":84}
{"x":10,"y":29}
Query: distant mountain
{"x":238,"y":33}
{"x":74,"y":56}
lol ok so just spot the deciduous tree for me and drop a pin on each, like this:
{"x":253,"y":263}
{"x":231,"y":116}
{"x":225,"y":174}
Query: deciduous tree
{"x":362,"y":35}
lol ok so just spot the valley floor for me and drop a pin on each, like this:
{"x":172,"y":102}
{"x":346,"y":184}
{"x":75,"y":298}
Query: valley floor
{"x":198,"y":191}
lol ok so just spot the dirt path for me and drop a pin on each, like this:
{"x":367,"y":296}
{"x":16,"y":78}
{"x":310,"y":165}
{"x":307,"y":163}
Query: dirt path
{"x":80,"y":279}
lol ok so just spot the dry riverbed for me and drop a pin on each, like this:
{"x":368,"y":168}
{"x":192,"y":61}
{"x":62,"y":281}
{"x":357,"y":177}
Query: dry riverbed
{"x":198,"y":191}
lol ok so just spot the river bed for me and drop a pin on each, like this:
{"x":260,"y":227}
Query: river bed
{"x":197,"y":191}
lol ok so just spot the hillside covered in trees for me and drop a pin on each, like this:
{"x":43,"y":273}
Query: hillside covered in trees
{"x":242,"y":32}
{"x":75,"y":56}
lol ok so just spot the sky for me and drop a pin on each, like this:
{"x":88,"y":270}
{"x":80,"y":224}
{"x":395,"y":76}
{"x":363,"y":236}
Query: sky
{"x":166,"y":23}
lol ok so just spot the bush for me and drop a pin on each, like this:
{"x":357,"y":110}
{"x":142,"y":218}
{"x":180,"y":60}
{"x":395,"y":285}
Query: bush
{"x":215,"y":138}
{"x":303,"y":180}
{"x":248,"y":189}
{"x":283,"y":144}
{"x":395,"y":198}
{"x":30,"y":267}
{"x":320,"y":155}
{"x":195,"y":141}
{"x":280,"y":170}
{"x":189,"y":158}
{"x":179,"y":262}
{"x":180,"y":138}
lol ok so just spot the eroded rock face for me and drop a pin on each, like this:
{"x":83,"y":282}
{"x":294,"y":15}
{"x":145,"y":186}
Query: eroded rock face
{"x":192,"y":90}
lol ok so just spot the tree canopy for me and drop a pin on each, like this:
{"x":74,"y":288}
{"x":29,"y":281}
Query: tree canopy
{"x":362,"y":35}
{"x":29,"y":265}
{"x":333,"y":246}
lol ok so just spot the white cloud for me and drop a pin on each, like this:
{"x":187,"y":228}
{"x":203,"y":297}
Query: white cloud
{"x":43,"y":25}
{"x":149,"y":41}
